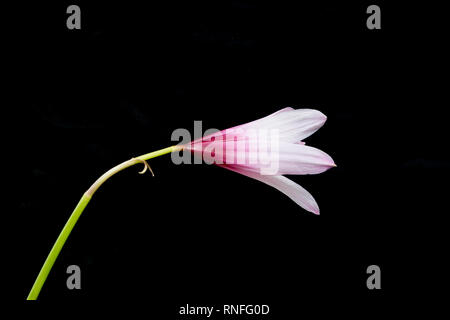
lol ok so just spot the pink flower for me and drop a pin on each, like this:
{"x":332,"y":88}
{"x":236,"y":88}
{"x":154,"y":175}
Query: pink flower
{"x":268,"y":148}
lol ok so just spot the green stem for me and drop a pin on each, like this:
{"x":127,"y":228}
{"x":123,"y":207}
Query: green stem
{"x":51,"y":258}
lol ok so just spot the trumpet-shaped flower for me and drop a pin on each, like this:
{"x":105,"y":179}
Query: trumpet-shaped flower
{"x":268,"y":148}
{"x":264,"y":150}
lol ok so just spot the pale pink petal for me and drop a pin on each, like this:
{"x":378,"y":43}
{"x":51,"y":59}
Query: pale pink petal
{"x":293,"y":190}
{"x":293,"y":125}
{"x":278,"y":159}
{"x":302,"y":159}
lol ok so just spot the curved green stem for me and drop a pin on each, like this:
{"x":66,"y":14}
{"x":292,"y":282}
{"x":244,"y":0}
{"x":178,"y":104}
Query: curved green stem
{"x":51,"y":258}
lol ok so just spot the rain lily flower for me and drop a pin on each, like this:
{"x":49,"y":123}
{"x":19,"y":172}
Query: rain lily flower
{"x":265,"y":150}
{"x":268,"y":148}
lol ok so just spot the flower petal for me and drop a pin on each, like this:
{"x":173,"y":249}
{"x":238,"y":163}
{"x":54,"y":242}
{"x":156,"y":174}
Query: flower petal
{"x":293,"y":190}
{"x":277,"y":159}
{"x":293,"y":125}
{"x":302,"y":159}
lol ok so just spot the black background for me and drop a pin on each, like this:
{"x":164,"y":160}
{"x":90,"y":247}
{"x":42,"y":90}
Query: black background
{"x":86,"y":100}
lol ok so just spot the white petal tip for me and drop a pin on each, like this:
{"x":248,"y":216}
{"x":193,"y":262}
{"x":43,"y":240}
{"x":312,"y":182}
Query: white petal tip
{"x":333,"y":165}
{"x":321,"y":116}
{"x":314,"y":210}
